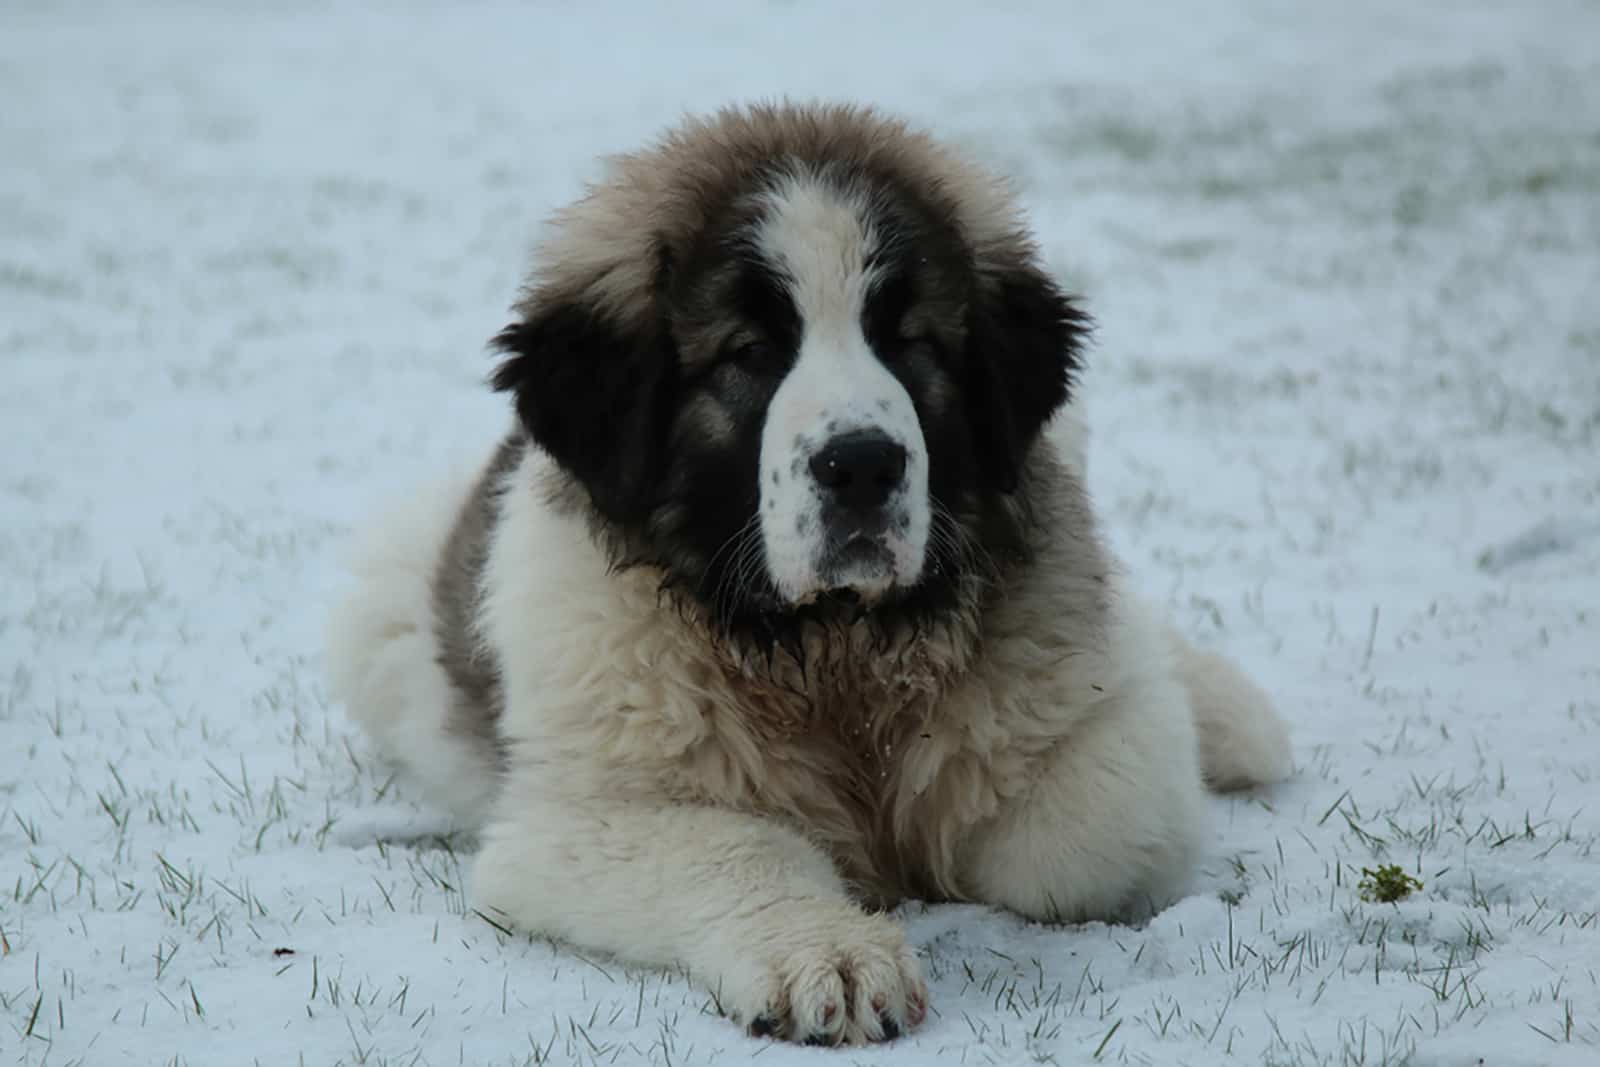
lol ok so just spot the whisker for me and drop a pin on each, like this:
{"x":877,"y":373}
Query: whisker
{"x":951,"y":540}
{"x":734,"y":579}
{"x":731,"y":542}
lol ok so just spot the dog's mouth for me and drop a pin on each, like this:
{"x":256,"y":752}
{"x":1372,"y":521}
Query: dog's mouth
{"x":860,"y":549}
{"x":858,"y":562}
{"x":858,"y":568}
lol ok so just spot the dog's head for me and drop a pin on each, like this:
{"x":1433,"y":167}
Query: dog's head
{"x":795,"y":356}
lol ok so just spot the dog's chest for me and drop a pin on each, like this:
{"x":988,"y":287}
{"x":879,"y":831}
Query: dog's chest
{"x":833,"y":765}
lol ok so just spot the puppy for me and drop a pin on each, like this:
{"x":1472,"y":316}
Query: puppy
{"x":784,"y":600}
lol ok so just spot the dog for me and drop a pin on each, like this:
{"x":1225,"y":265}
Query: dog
{"x":784,"y":600}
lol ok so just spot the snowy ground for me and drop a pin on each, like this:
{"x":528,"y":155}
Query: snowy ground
{"x":1347,"y":407}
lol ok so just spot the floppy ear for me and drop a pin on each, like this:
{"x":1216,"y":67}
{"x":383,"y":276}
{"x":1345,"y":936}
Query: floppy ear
{"x":1024,"y":344}
{"x":592,"y":392}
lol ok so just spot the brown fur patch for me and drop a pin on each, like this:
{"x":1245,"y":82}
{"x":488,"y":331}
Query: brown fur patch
{"x":468,"y":664}
{"x":651,"y":206}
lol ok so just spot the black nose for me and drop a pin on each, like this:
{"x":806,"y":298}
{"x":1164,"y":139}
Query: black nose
{"x":860,"y":470}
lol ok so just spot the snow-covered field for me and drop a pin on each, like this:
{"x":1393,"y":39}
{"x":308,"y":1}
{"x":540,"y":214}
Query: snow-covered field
{"x":1346,"y":260}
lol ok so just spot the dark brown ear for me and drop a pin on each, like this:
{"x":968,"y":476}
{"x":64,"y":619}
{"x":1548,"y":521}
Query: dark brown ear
{"x":594,"y":394}
{"x":1024,"y":349}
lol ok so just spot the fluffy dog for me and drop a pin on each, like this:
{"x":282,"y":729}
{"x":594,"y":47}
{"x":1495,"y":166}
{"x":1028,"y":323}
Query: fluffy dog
{"x":784,"y":599}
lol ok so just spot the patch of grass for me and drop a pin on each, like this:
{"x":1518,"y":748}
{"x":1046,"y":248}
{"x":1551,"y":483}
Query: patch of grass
{"x":1387,"y":884}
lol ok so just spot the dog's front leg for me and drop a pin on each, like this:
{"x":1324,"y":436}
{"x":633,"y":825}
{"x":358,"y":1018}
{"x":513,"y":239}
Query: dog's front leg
{"x":754,"y":910}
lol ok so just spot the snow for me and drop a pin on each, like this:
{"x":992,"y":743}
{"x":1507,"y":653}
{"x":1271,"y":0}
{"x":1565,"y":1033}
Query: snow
{"x":1346,"y":406}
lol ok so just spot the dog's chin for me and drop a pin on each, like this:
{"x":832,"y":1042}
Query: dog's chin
{"x":861,"y":572}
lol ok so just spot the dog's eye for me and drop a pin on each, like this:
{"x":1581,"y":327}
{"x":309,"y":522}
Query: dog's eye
{"x":750,"y":352}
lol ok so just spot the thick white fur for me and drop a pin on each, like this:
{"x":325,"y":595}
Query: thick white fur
{"x":1062,"y":782}
{"x":382,"y":654}
{"x":1243,"y":742}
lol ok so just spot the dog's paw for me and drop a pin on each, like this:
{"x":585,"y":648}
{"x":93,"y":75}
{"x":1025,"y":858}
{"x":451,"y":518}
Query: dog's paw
{"x":850,"y":981}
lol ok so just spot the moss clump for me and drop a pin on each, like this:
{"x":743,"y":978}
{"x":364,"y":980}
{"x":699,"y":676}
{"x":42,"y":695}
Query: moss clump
{"x":1386,"y":884}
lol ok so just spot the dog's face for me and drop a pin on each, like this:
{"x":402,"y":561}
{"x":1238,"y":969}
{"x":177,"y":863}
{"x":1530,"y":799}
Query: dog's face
{"x":824,"y":396}
{"x":844,"y":502}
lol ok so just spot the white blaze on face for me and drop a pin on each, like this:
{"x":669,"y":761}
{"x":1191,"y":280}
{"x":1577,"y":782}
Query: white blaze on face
{"x":820,"y":240}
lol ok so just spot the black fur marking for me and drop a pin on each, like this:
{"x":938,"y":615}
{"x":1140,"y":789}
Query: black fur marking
{"x":761,"y":298}
{"x":596,"y":397}
{"x":1024,"y":344}
{"x":885,"y":311}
